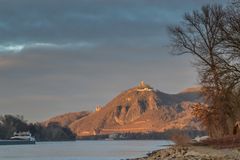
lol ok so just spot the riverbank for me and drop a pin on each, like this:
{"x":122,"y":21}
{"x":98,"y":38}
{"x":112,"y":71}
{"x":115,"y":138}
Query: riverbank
{"x":193,"y":153}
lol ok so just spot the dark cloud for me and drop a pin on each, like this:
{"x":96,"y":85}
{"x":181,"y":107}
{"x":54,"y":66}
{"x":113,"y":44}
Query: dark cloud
{"x":54,"y":21}
{"x":60,"y":56}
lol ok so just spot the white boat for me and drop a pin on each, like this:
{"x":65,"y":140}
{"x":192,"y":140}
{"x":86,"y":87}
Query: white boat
{"x":19,"y":138}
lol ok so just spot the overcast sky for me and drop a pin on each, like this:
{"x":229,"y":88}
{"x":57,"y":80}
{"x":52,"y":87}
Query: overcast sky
{"x":60,"y":56}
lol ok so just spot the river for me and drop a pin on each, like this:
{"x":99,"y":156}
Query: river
{"x":81,"y":150}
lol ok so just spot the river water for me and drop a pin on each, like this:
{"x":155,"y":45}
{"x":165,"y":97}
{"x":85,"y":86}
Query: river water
{"x":81,"y":150}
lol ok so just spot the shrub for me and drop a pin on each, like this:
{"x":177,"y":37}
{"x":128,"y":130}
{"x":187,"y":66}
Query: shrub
{"x":181,"y":139}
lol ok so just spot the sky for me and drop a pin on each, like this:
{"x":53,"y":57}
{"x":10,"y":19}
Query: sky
{"x":72,"y":55}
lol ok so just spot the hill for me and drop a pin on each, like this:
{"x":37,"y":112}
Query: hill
{"x":140,"y":109}
{"x":66,"y":119}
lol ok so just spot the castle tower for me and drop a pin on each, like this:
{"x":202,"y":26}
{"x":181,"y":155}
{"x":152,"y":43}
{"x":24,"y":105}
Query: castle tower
{"x":142,"y":84}
{"x":98,"y":108}
{"x":144,"y":87}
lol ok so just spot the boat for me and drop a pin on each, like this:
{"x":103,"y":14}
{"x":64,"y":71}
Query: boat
{"x":19,"y":138}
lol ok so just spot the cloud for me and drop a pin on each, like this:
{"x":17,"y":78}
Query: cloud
{"x":65,"y":21}
{"x":60,"y":56}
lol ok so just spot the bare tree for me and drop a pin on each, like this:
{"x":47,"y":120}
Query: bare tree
{"x":208,"y":36}
{"x":199,"y":35}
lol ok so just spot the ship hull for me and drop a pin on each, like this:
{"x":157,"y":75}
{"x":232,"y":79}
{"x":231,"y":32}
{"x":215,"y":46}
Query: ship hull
{"x":16,"y":142}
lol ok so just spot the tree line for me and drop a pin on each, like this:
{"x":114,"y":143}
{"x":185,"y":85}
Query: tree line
{"x":168,"y":134}
{"x":212,"y":36}
{"x":52,"y":132}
